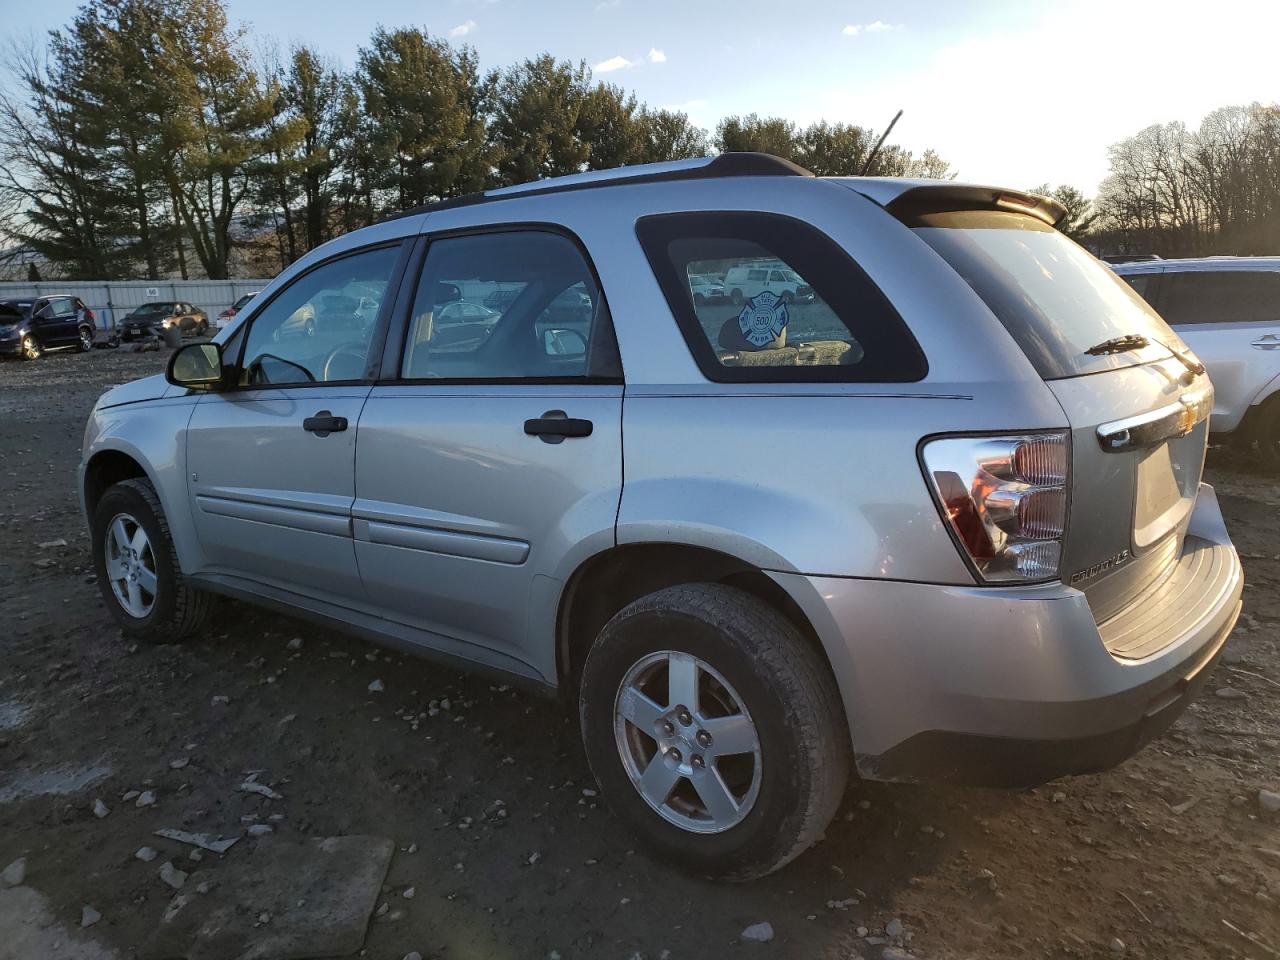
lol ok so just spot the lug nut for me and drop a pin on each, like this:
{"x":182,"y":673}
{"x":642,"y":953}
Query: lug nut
{"x":704,"y":738}
{"x":697,"y":761}
{"x":684,"y":717}
{"x":668,"y":727}
{"x":674,"y":754}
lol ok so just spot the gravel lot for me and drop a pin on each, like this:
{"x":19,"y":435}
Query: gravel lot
{"x":501,"y":849}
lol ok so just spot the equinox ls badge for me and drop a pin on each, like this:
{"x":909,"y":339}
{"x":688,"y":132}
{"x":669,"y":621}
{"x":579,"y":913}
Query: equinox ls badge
{"x":1101,"y":567}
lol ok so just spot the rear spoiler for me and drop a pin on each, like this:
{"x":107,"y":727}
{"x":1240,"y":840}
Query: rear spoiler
{"x":906,"y":199}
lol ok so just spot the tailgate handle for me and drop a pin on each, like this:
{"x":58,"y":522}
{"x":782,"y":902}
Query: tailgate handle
{"x":1165,"y":423}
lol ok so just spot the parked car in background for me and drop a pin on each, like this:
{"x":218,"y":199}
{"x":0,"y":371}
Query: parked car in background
{"x":943,"y":522}
{"x":30,"y":326}
{"x":241,"y":302}
{"x":1227,"y":309}
{"x":749,"y":279}
{"x":152,"y":319}
{"x":706,"y":289}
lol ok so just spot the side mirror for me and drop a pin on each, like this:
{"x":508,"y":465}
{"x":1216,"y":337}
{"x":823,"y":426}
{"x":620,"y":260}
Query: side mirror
{"x":565,"y":343}
{"x":196,"y":366}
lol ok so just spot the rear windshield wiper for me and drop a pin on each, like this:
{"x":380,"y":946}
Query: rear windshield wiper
{"x":1136,"y":341}
{"x":1121,"y":344}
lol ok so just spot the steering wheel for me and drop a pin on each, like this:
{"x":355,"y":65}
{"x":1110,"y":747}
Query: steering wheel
{"x":353,"y":350}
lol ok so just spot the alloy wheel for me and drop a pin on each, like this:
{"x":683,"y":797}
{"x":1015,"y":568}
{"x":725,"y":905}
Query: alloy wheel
{"x":687,"y":742}
{"x":30,"y":349}
{"x":86,"y":339}
{"x":131,"y":565}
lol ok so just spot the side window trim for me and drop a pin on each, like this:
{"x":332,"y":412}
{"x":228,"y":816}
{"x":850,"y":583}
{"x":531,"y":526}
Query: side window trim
{"x":376,"y":340}
{"x":602,"y":350}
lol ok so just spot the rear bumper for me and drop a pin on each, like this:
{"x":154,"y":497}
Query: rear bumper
{"x":1015,"y":686}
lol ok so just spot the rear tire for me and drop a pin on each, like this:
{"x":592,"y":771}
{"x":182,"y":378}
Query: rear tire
{"x":85,"y":343}
{"x":780,"y":749}
{"x":1268,"y":433}
{"x":137,"y":567}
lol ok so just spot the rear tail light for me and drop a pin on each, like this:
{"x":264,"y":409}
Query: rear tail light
{"x":89,"y":315}
{"x":1005,"y":499}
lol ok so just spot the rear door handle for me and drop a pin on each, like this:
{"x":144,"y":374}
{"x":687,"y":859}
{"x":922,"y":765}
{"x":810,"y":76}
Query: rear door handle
{"x":1269,"y":342}
{"x":554,"y":425}
{"x":324,"y":423}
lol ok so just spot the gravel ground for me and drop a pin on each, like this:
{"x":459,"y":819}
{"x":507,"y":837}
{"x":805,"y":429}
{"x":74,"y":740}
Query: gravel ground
{"x":487,"y":798}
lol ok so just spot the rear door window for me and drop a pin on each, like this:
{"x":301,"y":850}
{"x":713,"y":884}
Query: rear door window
{"x":824,"y":321}
{"x":1055,"y":299}
{"x":1221,"y":296}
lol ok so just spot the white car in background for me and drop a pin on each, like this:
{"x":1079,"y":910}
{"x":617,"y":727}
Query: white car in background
{"x":1227,"y":309}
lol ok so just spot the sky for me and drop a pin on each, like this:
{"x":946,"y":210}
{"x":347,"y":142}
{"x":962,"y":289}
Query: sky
{"x":1011,"y":93}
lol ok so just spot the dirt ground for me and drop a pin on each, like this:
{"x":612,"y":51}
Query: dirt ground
{"x":487,"y":798}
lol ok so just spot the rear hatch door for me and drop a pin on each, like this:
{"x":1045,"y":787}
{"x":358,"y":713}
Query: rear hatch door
{"x":1136,"y":399}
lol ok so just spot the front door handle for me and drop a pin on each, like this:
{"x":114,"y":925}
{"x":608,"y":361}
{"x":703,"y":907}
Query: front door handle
{"x":324,"y":423}
{"x":554,"y":425}
{"x":1269,"y":342}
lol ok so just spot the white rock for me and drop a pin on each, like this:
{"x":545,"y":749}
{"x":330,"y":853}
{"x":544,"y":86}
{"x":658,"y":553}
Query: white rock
{"x":261,"y":829}
{"x":100,"y":809}
{"x":146,"y":798}
{"x":295,"y":643}
{"x":1269,"y":800}
{"x":220,"y":699}
{"x":14,"y":873}
{"x":759,"y":932}
{"x":893,"y":928}
{"x":172,"y":876}
{"x":261,"y":789}
{"x":146,"y":854}
{"x":376,"y":687}
{"x":89,"y":916}
{"x":179,"y":763}
{"x":413,"y":955}
{"x":1230,"y":693}
{"x":409,"y":893}
{"x":1117,"y":946}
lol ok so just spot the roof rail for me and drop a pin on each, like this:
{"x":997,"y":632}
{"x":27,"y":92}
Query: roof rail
{"x":698,"y":168}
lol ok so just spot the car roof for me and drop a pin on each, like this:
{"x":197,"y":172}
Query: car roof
{"x":888,"y":192}
{"x":1198,"y":264}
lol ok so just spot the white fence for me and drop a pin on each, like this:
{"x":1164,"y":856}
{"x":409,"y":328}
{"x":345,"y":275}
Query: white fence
{"x":110,"y":300}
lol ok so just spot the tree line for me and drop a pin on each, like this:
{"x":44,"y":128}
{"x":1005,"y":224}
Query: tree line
{"x":145,"y":138}
{"x":1177,"y":191}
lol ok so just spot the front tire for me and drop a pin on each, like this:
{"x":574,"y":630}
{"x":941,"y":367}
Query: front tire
{"x":30,"y":348}
{"x":137,"y":567}
{"x":742,"y":780}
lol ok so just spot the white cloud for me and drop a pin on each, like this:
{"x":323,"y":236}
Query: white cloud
{"x":875,"y":26}
{"x":613,"y":63}
{"x":462,"y":29}
{"x":656,"y":55}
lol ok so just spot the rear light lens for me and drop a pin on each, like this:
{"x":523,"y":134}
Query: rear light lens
{"x":1005,"y":499}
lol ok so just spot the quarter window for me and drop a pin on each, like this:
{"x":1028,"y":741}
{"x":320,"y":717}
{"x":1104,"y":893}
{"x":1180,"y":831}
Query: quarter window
{"x":511,"y":305}
{"x":1202,"y":296}
{"x":789,"y":304}
{"x":319,"y":328}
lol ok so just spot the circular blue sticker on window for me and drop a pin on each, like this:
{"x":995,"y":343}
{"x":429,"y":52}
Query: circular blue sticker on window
{"x":763,"y":319}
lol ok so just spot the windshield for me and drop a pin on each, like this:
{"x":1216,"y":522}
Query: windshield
{"x":151,"y":308}
{"x":1052,"y":296}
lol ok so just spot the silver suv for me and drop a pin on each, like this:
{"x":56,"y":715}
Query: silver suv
{"x":1228,"y":311}
{"x":939,"y":519}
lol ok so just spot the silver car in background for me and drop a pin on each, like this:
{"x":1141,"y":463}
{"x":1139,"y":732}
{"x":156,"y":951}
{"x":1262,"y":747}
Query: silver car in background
{"x":1227,"y":309}
{"x":939,"y":519}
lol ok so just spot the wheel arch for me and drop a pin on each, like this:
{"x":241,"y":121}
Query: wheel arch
{"x":105,"y":469}
{"x":609,"y":580}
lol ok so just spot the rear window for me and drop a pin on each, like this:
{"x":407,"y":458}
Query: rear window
{"x":1052,"y":296}
{"x":786,"y":303}
{"x":1226,"y":296}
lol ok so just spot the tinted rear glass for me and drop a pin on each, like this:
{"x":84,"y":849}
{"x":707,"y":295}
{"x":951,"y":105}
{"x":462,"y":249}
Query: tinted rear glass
{"x":1052,"y":296}
{"x":1227,"y":296}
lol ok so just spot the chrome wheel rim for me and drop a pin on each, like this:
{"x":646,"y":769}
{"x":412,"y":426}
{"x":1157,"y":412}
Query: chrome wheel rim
{"x":29,"y":347}
{"x":131,"y":565}
{"x":86,"y":339}
{"x":687,"y":742}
